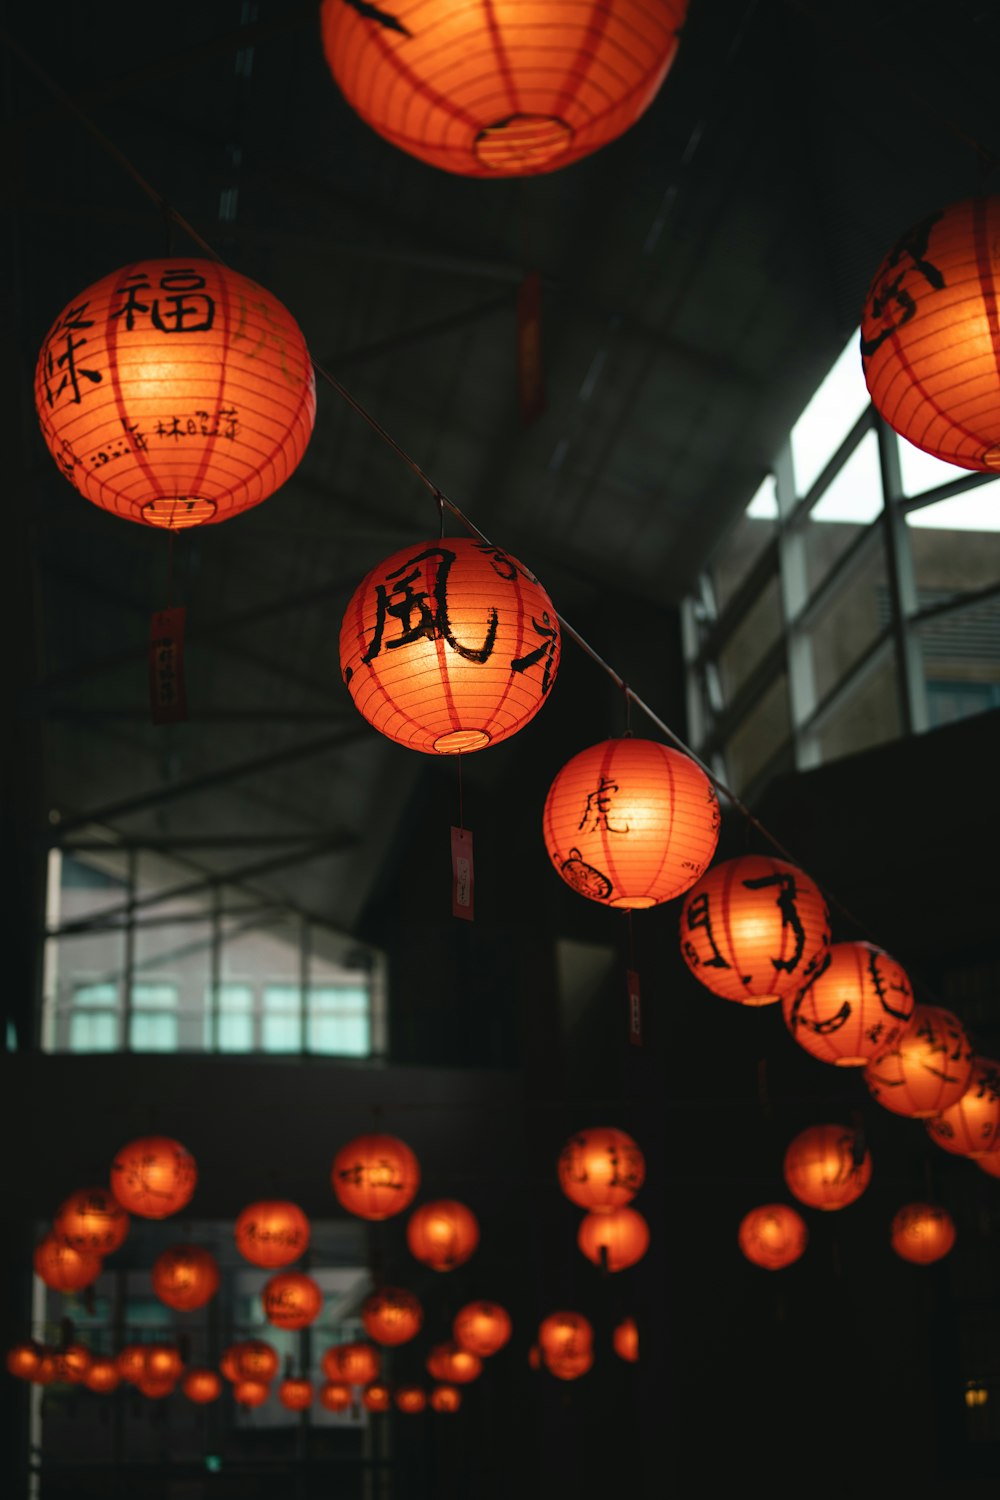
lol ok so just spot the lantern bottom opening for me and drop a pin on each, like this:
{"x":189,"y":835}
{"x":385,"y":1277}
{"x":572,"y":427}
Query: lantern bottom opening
{"x":178,"y":512}
{"x":991,"y":456}
{"x":633,"y":903}
{"x":523,"y":143}
{"x":851,"y":1062}
{"x":458,"y":741}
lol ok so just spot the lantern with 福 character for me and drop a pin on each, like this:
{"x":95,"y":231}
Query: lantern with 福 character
{"x":442,"y":1234}
{"x":93,"y":1221}
{"x":481,"y":1327}
{"x":971,"y":1127}
{"x":376,"y":1397}
{"x":773,"y":1236}
{"x":375,"y":1176}
{"x":391,"y":1315}
{"x":62,"y":1268}
{"x":857,"y":1002}
{"x":449,"y":646}
{"x":201,"y":1385}
{"x":352,"y":1364}
{"x":185,"y":1277}
{"x":175,"y":393}
{"x":922,"y":1233}
{"x":924,"y":1070}
{"x":453,"y":1365}
{"x":271,"y":1233}
{"x":601,"y":1168}
{"x":827,"y":1166}
{"x":154,"y":1177}
{"x":614,"y":1241}
{"x":292,"y":1300}
{"x":295,"y":1394}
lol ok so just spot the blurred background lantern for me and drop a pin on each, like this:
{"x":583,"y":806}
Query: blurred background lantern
{"x":376,"y":1397}
{"x":334,"y":1396}
{"x":924,"y":1070}
{"x":291,"y":1300}
{"x":452,"y":1365}
{"x":229,"y":1363}
{"x":753,"y":928}
{"x":92,"y":1220}
{"x":162,"y":1362}
{"x":103,"y":1375}
{"x":295,"y":1394}
{"x":975,"y":1394}
{"x":153,"y":1177}
{"x":570,"y":1366}
{"x":251,"y":1393}
{"x":391,"y":1315}
{"x":446,"y":1398}
{"x":442,"y":1234}
{"x":72,"y":1363}
{"x":185,"y":1277}
{"x":131,"y":1362}
{"x":857,"y":1003}
{"x":45,"y":1374}
{"x":625,"y":1340}
{"x":201,"y":1386}
{"x":501,"y":91}
{"x":922,"y":1233}
{"x":62,"y":1268}
{"x":773,"y":1236}
{"x":971,"y":1127}
{"x":564,"y":1335}
{"x":271,"y":1233}
{"x":449,"y":646}
{"x":375,"y":1176}
{"x":411,"y":1398}
{"x":175,"y":393}
{"x":255,"y":1359}
{"x":631,"y":823}
{"x":929,"y":334}
{"x":23,"y":1359}
{"x":614,"y":1240}
{"x":156,"y":1387}
{"x":601,"y":1168}
{"x":353,"y":1364}
{"x":827,"y":1166}
{"x":482,"y":1328}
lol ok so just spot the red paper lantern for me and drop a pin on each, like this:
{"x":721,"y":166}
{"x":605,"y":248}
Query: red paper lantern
{"x":163,"y":1362}
{"x":446,"y":1398}
{"x":924,"y":1070}
{"x":482,"y":1328}
{"x":185,"y":1277}
{"x":453,"y":1365}
{"x":442,"y":1234}
{"x":571,"y":1367}
{"x":251,"y":1393}
{"x":131,"y":1363}
{"x":92,"y":1221}
{"x":271,"y":1233}
{"x":826,"y":1167}
{"x":333,"y":1396}
{"x":631,"y":823}
{"x":292,"y":1300}
{"x":773,"y":1236}
{"x":103,"y":1376}
{"x":922,"y":1233}
{"x":376,"y":1398}
{"x":391,"y":1315}
{"x":501,"y":91}
{"x":46,"y":1371}
{"x":62,"y":1268}
{"x":990,"y":1164}
{"x":857,"y":1003}
{"x":296,"y":1394}
{"x":352,"y":1364}
{"x":601,"y":1168}
{"x":753,"y":929}
{"x":155,"y":1387}
{"x":972,"y":1126}
{"x":72,"y":1363}
{"x":625,"y":1340}
{"x":255,"y":1359}
{"x":175,"y":393}
{"x":201,"y":1386}
{"x":375,"y":1176}
{"x":565,"y":1336}
{"x":614,"y":1241}
{"x":929,"y":335}
{"x":449,"y":646}
{"x":153,"y":1177}
{"x":23,"y":1359}
{"x":411,"y":1399}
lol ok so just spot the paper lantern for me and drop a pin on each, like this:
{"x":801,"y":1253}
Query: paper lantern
{"x":391,"y":1315}
{"x":296,"y":1394}
{"x":23,"y":1359}
{"x":482,"y":1328}
{"x":376,"y":1398}
{"x":975,"y":1394}
{"x":442,"y":1234}
{"x":929,"y":335}
{"x":153,"y":1177}
{"x":453,"y":1365}
{"x":501,"y":91}
{"x":601,"y":1168}
{"x":856,"y":1003}
{"x":449,"y":646}
{"x":564,"y":1335}
{"x":131,"y":1363}
{"x":103,"y":1376}
{"x":271,"y":1233}
{"x":292,"y":1300}
{"x":255,"y":1359}
{"x":163,"y":1362}
{"x":922,"y":1233}
{"x":989,"y":1164}
{"x":375,"y":1176}
{"x":93,"y":1221}
{"x":614,"y":1241}
{"x":201,"y":1386}
{"x":352,"y":1364}
{"x":175,"y":393}
{"x":926,"y":1069}
{"x":625,"y":1340}
{"x":773,"y":1236}
{"x":411,"y":1399}
{"x":251,"y":1393}
{"x":571,"y":1367}
{"x":446,"y":1398}
{"x":62,"y":1268}
{"x":156,"y":1387}
{"x":827,"y":1167}
{"x":753,"y":929}
{"x":185,"y":1277}
{"x":334,"y":1396}
{"x":72,"y":1363}
{"x":972,"y":1126}
{"x":45,"y":1374}
{"x":631,"y":823}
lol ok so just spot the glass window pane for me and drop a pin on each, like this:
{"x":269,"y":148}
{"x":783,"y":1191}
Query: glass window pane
{"x":97,"y":1032}
{"x":961,"y":653}
{"x":829,"y":417}
{"x":95,"y":994}
{"x":235,"y":1033}
{"x":235,"y":1019}
{"x":157,"y":996}
{"x":868,"y":717}
{"x":766,"y":728}
{"x":850,"y":623}
{"x":346,"y":1035}
{"x":152,"y":1032}
{"x":752,"y":639}
{"x":852,"y":501}
{"x":956,"y":544}
{"x":281,"y":1024}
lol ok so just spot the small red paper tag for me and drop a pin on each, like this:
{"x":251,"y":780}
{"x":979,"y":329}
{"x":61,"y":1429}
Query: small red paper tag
{"x":530,"y":383}
{"x":634,"y":1008}
{"x":167,"y":698}
{"x":462,"y":874}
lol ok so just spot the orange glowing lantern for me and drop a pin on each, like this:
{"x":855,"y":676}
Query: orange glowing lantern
{"x":990,"y":1164}
{"x":375,"y":1176}
{"x":926,"y":1069}
{"x":185,"y":1277}
{"x":46,"y":1371}
{"x":601,"y":1168}
{"x":153,"y":1177}
{"x":571,"y":1367}
{"x":446,"y":1398}
{"x":251,"y":1393}
{"x":972,"y":1126}
{"x":564,"y":1336}
{"x":827,"y":1166}
{"x":482,"y":1328}
{"x":131,"y":1363}
{"x":175,"y":393}
{"x":201,"y":1386}
{"x":352,"y":1364}
{"x":333,"y":1396}
{"x":442,"y":1234}
{"x":856,"y":1004}
{"x":103,"y":1376}
{"x":92,"y":1221}
{"x":296,"y":1394}
{"x":922,"y":1233}
{"x":62,"y":1268}
{"x":614,"y":1241}
{"x":501,"y":91}
{"x":753,"y":928}
{"x":411,"y":1399}
{"x":255,"y":1359}
{"x":23,"y":1359}
{"x":391,"y":1316}
{"x":625,"y":1340}
{"x":631,"y":823}
{"x":453,"y":1365}
{"x":449,"y":646}
{"x":376,"y":1398}
{"x":156,"y":1387}
{"x":292,"y":1300}
{"x":163,"y":1362}
{"x":72,"y":1363}
{"x":271,"y":1233}
{"x":773,"y":1236}
{"x":929,"y":335}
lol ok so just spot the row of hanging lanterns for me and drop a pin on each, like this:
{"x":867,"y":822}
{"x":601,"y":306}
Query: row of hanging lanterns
{"x":774,"y":1235}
